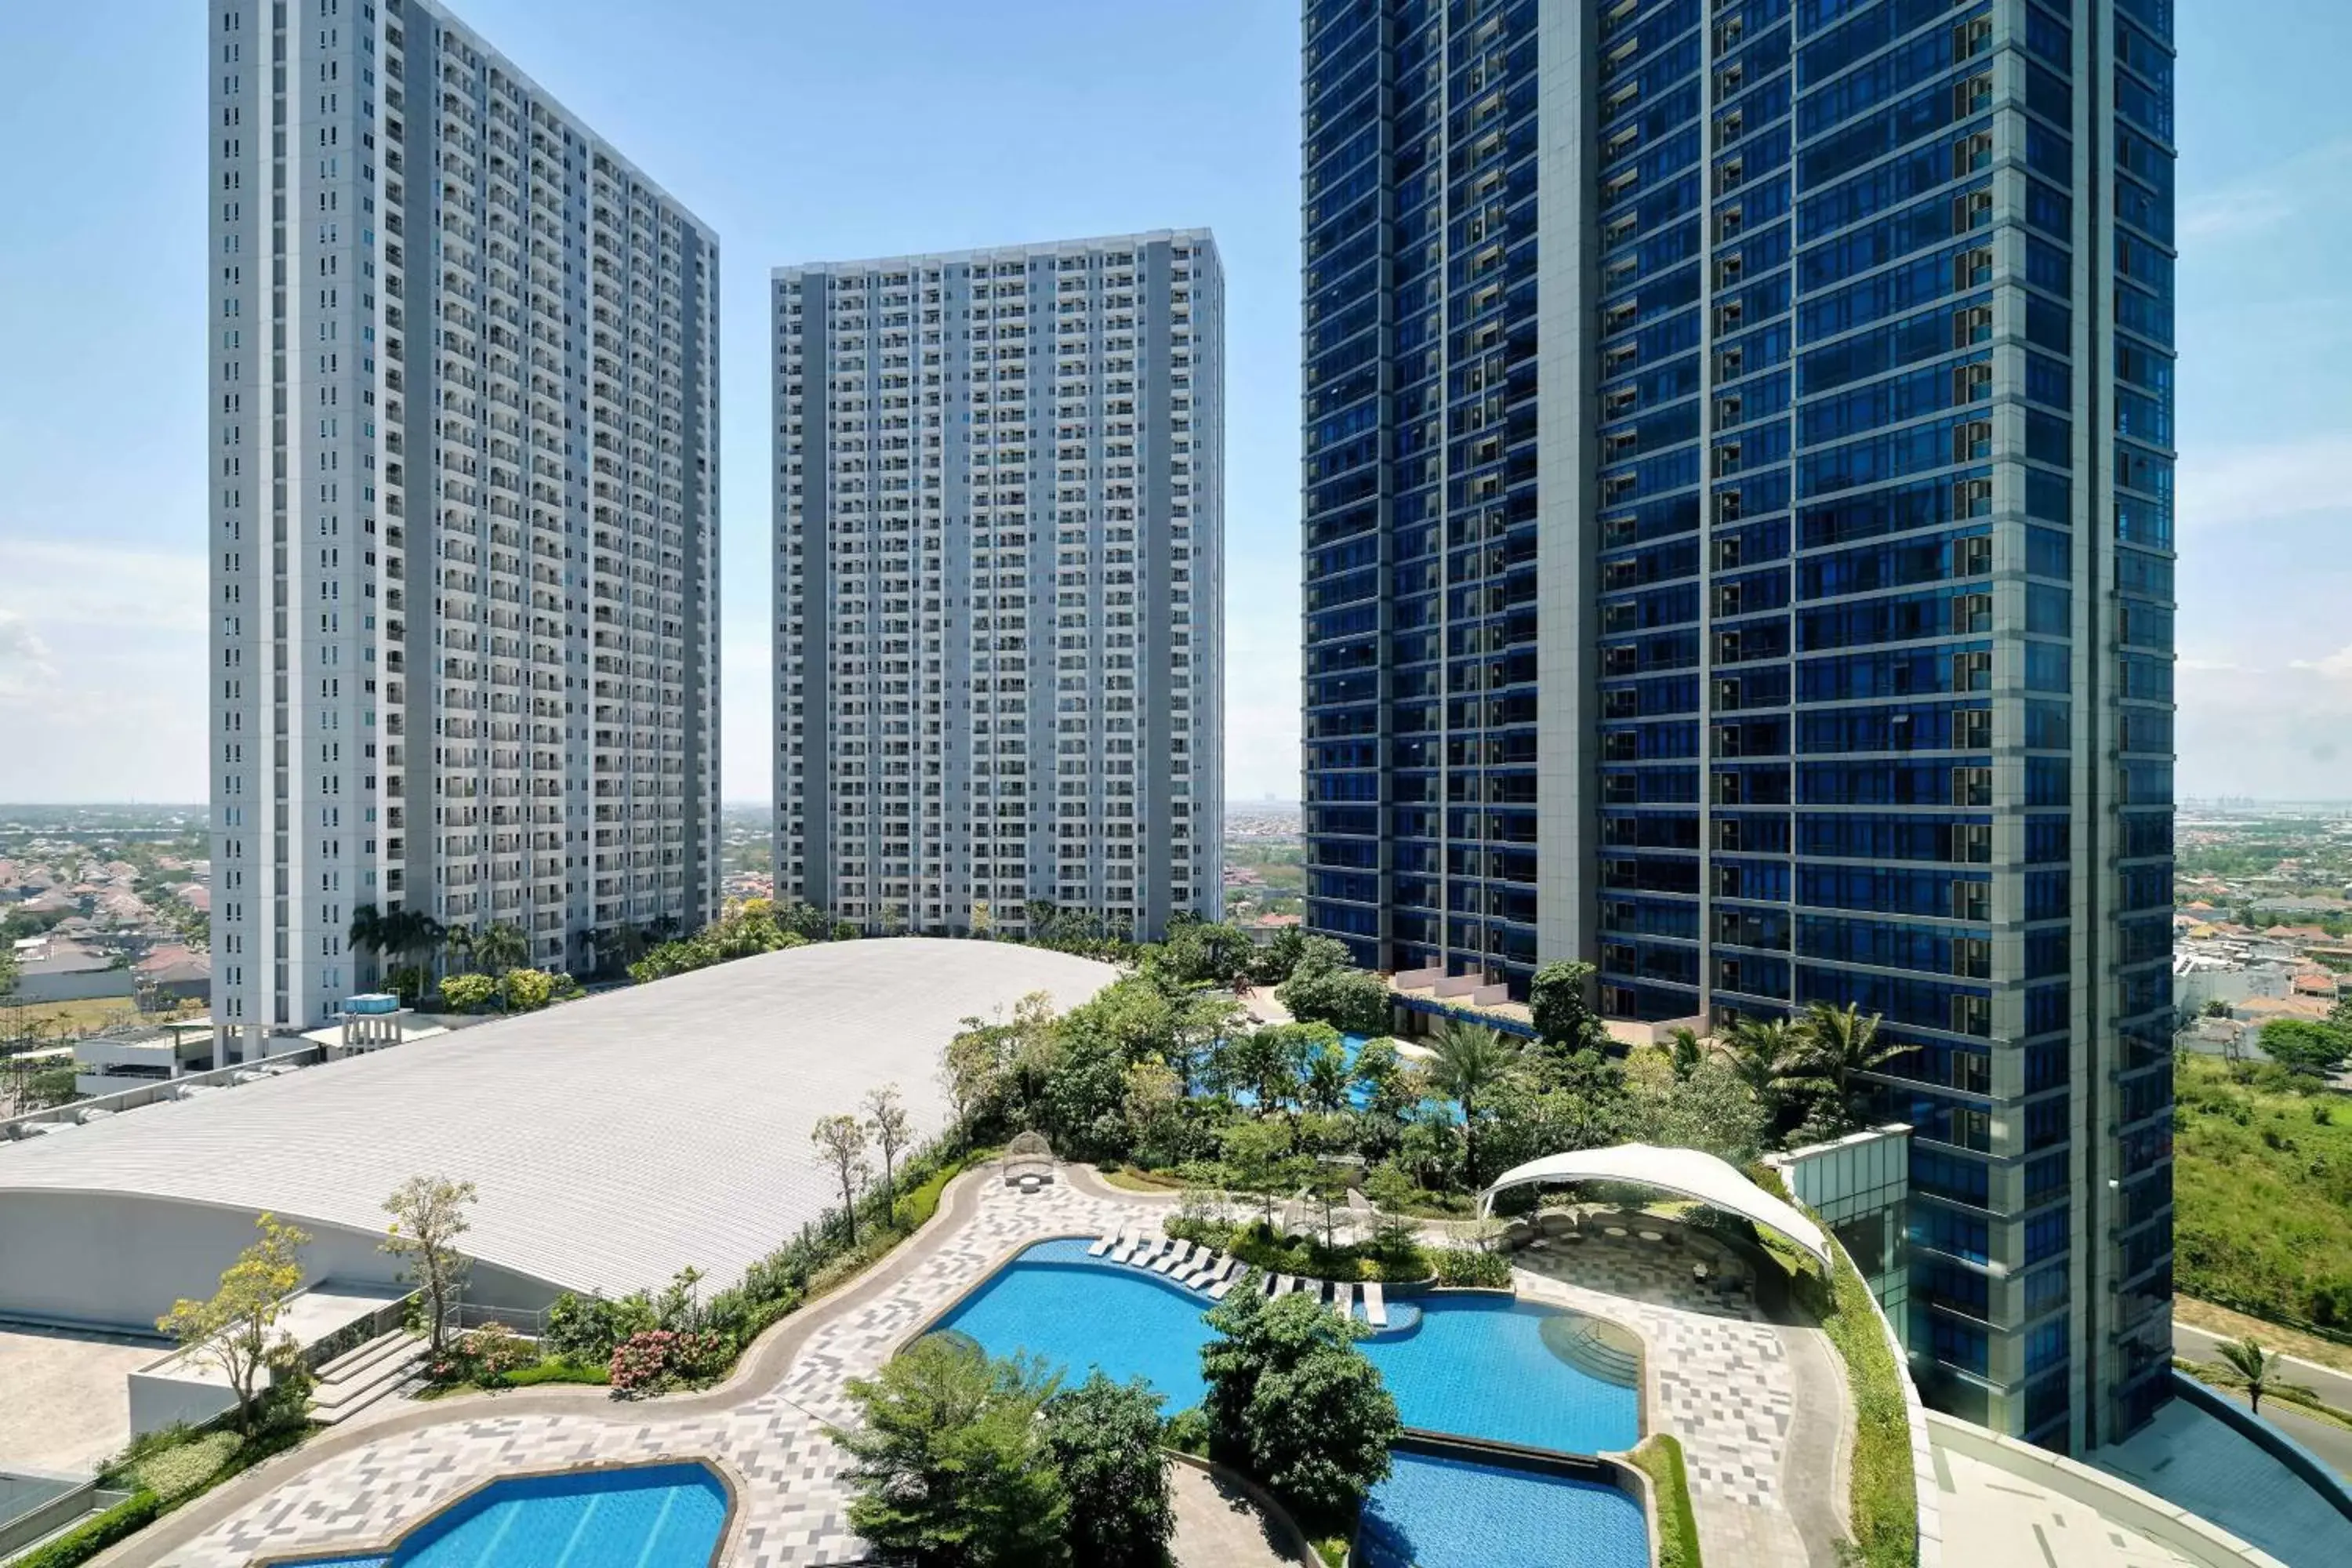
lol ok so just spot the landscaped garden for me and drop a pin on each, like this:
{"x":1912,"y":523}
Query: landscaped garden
{"x":1308,"y":1148}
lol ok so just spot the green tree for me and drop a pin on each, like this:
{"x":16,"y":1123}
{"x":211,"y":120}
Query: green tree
{"x":2247,"y":1366}
{"x":428,"y":1216}
{"x":1267,"y":1062}
{"x":2302,"y":1046}
{"x":1838,"y":1046}
{"x":1294,"y":1402}
{"x":365,"y":937}
{"x":1471,"y":1060}
{"x":1204,"y":951}
{"x":1709,"y":1109}
{"x":1564,"y":1020}
{"x":1324,"y":1083}
{"x":842,"y":1141}
{"x":1104,"y":1439}
{"x":892,"y":1129}
{"x":1391,"y":1192}
{"x":236,"y":1330}
{"x":1258,"y":1155}
{"x":1154,"y":1107}
{"x":1764,"y":1052}
{"x":972,"y":1070}
{"x":1688,"y":1053}
{"x":500,"y":946}
{"x":950,"y":1462}
{"x":1349,"y":1000}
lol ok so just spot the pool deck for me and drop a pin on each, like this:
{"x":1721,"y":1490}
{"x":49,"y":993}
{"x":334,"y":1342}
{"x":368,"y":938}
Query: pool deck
{"x":1725,"y":1384}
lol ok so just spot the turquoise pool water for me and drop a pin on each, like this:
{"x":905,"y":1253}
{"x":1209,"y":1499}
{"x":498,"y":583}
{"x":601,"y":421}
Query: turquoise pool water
{"x":1477,"y":1367}
{"x":652,"y":1516}
{"x":1474,"y":1365}
{"x":1056,"y":1302}
{"x":1444,"y":1513}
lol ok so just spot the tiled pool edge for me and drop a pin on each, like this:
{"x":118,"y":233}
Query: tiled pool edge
{"x":979,"y":1282}
{"x":730,"y":1523}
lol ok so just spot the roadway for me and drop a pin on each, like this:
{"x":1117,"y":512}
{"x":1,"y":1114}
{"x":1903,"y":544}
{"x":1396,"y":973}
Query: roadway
{"x":2332,"y":1444}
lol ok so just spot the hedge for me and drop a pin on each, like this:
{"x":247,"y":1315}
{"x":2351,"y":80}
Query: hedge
{"x":88,"y":1538}
{"x":1661,"y":1457}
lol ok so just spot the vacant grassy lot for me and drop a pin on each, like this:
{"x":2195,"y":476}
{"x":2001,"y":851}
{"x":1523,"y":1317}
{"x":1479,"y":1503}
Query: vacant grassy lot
{"x":2263,"y":1188}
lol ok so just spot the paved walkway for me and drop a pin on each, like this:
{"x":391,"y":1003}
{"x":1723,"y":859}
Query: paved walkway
{"x":1219,"y":1526}
{"x":1764,"y":1479}
{"x":1723,"y":1383}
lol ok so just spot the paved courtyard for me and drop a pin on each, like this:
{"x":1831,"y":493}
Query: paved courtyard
{"x":1718,"y":1382}
{"x":64,"y":1405}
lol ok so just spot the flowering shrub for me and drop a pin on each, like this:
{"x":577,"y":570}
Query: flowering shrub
{"x":494,"y":1349}
{"x":650,"y":1362}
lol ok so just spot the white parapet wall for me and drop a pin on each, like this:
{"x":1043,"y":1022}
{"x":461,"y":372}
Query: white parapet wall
{"x":2113,"y":1499}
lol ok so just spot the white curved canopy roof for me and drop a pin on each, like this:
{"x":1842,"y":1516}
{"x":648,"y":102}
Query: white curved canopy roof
{"x":1686,"y":1172}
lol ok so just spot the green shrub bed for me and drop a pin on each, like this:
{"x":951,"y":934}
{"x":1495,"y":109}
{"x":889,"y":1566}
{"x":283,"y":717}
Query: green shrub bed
{"x":1660,"y":1458}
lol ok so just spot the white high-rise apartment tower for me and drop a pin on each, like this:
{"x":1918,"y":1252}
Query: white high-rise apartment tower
{"x":464,"y":391}
{"x":1000,"y":579}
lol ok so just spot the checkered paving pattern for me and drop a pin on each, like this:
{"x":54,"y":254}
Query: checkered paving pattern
{"x":1717,"y":1382}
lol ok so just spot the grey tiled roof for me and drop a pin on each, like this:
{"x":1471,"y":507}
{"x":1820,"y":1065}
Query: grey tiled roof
{"x":614,"y":1140}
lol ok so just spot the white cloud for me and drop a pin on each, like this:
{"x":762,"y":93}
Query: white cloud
{"x":2259,"y":484}
{"x":24,"y":656}
{"x":2278,"y":734}
{"x":102,"y":655}
{"x":59,"y":583}
{"x":2264,"y":201}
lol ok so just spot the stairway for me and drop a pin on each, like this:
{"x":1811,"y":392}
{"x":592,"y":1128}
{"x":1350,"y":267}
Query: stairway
{"x":353,"y":1382}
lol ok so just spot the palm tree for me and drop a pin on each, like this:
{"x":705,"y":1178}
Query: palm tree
{"x":412,"y":934}
{"x":1838,"y":1046}
{"x":502,"y":946}
{"x":1471,"y":1058}
{"x":1764,"y":1053}
{"x":1324,"y":1085}
{"x":367,"y":931}
{"x":2257,"y":1371}
{"x":457,"y":941}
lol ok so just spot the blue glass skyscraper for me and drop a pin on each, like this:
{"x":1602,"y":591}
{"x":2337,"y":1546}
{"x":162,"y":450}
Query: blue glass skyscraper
{"x":1739,"y":553}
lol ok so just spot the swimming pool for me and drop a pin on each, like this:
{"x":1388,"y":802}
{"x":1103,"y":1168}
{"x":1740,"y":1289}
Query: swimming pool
{"x":1438,"y":1512}
{"x":1475,"y":1366}
{"x":646,"y":1516}
{"x":1360,"y":1095}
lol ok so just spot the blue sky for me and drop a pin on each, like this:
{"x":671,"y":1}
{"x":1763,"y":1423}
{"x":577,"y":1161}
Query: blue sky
{"x":813,"y":131}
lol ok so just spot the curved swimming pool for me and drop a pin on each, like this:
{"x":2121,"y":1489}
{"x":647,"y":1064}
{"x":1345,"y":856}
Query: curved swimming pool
{"x":1440,"y":1511}
{"x":643,"y":1515}
{"x":1474,"y":1365}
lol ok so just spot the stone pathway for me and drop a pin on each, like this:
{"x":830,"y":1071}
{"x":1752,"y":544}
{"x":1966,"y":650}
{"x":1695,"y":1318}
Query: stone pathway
{"x":1721,"y":1384}
{"x":1720,"y":1379}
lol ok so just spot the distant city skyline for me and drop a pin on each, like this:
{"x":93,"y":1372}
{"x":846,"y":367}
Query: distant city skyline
{"x":102,"y":606}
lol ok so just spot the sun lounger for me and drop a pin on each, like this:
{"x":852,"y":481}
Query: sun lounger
{"x":1376,"y":1311}
{"x":1280,"y":1284}
{"x":1224,"y":1287}
{"x":1144,"y":1256}
{"x":1126,"y":1250}
{"x":1343,"y":1297}
{"x":1205,"y":1267}
{"x":1110,"y":1240}
{"x":1174,"y":1257}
